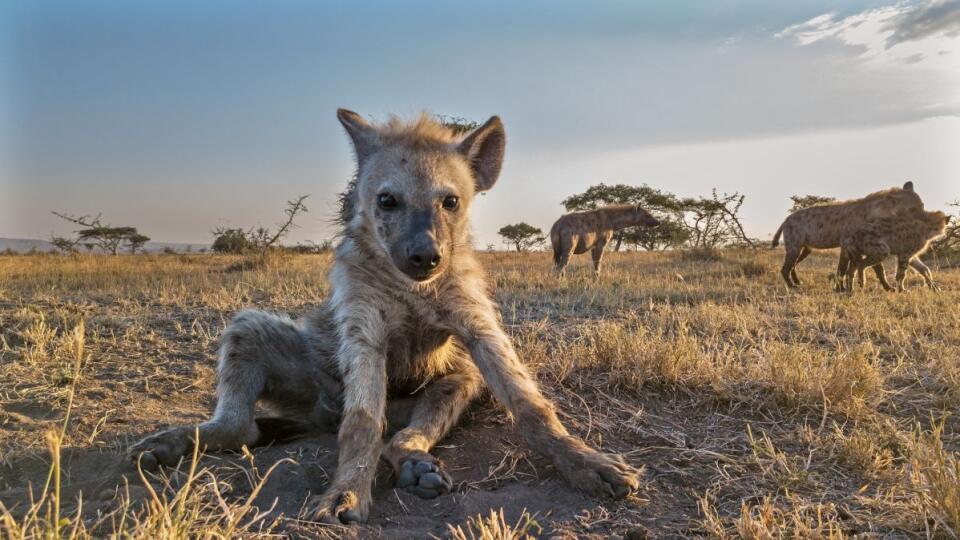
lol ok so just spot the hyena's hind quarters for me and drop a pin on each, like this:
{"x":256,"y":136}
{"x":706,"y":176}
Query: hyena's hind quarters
{"x":561,"y":256}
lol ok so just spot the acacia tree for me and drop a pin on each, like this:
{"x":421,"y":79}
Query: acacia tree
{"x":64,"y":244}
{"x":261,"y":239}
{"x":458,"y":124}
{"x":522,"y":236}
{"x":806,"y":201}
{"x":105,"y":236}
{"x":714,"y":221}
{"x":668,"y":234}
{"x":951,"y":239}
{"x":136,"y":241}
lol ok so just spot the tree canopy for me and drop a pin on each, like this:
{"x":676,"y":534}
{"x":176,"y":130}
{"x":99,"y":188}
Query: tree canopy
{"x":95,"y":233}
{"x":522,"y":236}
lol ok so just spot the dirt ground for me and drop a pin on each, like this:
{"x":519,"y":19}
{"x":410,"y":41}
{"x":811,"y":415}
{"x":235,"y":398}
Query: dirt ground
{"x":755,"y":411}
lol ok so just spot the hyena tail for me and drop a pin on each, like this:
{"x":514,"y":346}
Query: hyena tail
{"x":776,"y":237}
{"x":280,"y":430}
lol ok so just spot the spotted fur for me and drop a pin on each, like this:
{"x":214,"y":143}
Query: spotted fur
{"x":822,"y":226}
{"x":591,"y":230}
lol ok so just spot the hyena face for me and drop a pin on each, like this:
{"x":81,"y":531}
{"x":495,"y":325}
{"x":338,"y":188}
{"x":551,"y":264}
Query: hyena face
{"x":895,"y":203}
{"x":936,"y":224}
{"x":646,"y":218}
{"x":415,"y":185}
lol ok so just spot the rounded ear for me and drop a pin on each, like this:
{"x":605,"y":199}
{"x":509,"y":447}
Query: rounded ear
{"x":908,"y":186}
{"x":363,"y":135}
{"x":483,"y":149}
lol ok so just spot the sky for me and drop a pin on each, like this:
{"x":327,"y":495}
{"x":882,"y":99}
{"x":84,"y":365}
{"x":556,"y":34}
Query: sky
{"x":178,"y":117}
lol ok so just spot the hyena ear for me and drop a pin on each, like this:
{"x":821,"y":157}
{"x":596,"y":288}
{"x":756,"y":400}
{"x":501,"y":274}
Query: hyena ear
{"x":363,"y":135}
{"x":908,"y":186}
{"x":483,"y":149}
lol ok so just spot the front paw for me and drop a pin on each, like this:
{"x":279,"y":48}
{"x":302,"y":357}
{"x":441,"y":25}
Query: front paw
{"x":424,"y":477}
{"x":602,"y":474}
{"x":338,"y":506}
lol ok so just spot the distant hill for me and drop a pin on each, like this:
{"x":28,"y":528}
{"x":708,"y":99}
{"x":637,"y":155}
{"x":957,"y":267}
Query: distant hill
{"x":23,"y":245}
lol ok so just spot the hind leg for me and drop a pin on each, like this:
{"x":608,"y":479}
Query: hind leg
{"x":804,"y":253}
{"x":561,"y":256}
{"x":262,"y":357}
{"x":436,"y":411}
{"x":787,"y":270}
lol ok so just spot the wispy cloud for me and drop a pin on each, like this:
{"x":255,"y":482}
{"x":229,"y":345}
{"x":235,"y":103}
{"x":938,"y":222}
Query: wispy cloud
{"x":901,"y":34}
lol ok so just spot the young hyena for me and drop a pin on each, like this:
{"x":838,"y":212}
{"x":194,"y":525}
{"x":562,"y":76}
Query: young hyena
{"x":822,"y":226}
{"x":879,"y":238}
{"x":592,"y":230}
{"x":409,"y":309}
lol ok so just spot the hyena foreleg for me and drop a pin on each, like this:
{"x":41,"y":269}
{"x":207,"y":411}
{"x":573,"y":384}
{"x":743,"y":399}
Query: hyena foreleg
{"x":436,"y":411}
{"x":924,"y":271}
{"x":362,"y":361}
{"x":583,"y":467}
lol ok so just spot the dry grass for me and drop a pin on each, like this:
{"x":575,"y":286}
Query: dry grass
{"x":496,"y":527}
{"x":758,"y":412}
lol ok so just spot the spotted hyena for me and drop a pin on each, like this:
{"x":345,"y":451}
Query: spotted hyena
{"x":907,"y":239}
{"x":410,"y":311}
{"x":592,"y":230}
{"x":822,"y":226}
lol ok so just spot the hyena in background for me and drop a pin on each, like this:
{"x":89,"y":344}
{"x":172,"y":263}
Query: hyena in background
{"x":879,"y":238}
{"x":592,"y":230}
{"x":409,"y":311}
{"x":822,"y":226}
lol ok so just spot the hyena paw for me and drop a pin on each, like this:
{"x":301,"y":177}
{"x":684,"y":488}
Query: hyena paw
{"x":422,"y":475}
{"x":340,"y":506}
{"x":163,"y":448}
{"x":603,"y":474}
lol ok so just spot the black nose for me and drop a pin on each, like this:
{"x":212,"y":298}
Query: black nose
{"x":426,"y":258}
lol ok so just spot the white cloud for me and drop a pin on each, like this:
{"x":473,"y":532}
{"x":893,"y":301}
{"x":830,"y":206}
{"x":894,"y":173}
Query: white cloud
{"x":904,"y":35}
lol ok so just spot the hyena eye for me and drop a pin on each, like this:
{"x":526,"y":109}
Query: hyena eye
{"x":386,"y":201}
{"x":451,"y":202}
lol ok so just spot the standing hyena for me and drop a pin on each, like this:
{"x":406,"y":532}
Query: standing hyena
{"x":907,"y":238}
{"x":592,"y":230}
{"x":822,"y":226}
{"x":409,"y":310}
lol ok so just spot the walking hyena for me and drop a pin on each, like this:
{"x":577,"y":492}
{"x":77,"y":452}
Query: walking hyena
{"x":822,"y":226}
{"x":409,"y":309}
{"x":879,"y":238}
{"x":578,"y":232}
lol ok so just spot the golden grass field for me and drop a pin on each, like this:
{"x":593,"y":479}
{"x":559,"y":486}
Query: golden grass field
{"x":757,"y":412}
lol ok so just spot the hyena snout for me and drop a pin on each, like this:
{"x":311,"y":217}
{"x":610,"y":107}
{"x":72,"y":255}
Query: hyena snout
{"x":421,"y":258}
{"x":652,"y":222}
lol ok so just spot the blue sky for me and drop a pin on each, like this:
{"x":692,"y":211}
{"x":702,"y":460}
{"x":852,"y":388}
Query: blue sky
{"x":178,"y":117}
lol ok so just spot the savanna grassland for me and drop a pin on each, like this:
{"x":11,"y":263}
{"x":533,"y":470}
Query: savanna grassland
{"x":757,"y":412}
